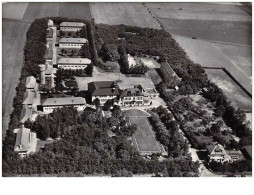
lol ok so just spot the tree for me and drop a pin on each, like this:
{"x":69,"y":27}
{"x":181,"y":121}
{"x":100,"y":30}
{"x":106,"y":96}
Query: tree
{"x":62,"y":34}
{"x":89,"y":69}
{"x":97,"y":103}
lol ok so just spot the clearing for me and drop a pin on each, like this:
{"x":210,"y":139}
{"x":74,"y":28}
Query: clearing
{"x":144,"y":139}
{"x":133,"y":14}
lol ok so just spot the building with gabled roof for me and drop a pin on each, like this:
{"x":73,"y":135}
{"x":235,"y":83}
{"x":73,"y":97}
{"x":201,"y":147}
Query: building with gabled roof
{"x":72,"y":42}
{"x":71,"y":26}
{"x":216,"y":152}
{"x":25,"y":141}
{"x":247,"y":152}
{"x":169,"y":75}
{"x":50,"y":104}
{"x":73,"y":63}
{"x":31,"y":99}
{"x":31,"y":84}
{"x":103,"y":90}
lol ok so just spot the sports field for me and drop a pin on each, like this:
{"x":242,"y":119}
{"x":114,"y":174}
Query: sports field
{"x":144,"y":139}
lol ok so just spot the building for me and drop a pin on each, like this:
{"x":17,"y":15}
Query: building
{"x":72,"y":42}
{"x":73,"y":63}
{"x":152,"y":92}
{"x":31,"y":99}
{"x":50,"y":104}
{"x":169,"y":75}
{"x":71,"y":26}
{"x":216,"y":152}
{"x":50,"y":23}
{"x":47,"y":75}
{"x":27,"y":113}
{"x":247,"y":152}
{"x":48,"y":55}
{"x":31,"y":84}
{"x":132,"y":97}
{"x":25,"y":141}
{"x":103,"y":90}
{"x":235,"y":155}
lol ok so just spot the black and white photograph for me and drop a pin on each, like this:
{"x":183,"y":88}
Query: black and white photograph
{"x":127,"y":89}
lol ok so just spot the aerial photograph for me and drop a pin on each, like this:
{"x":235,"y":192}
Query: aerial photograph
{"x":127,"y":89}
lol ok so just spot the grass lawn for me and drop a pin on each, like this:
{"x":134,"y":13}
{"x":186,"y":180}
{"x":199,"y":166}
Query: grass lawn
{"x":144,"y":139}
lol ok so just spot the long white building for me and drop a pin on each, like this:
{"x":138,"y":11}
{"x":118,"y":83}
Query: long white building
{"x":72,"y":42}
{"x":71,"y":26}
{"x":50,"y":104}
{"x":73,"y":63}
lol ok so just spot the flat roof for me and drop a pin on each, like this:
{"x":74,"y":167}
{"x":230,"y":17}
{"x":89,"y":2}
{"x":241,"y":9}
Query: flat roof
{"x":72,"y":24}
{"x":74,"y":61}
{"x":64,"y":101}
{"x":73,"y":40}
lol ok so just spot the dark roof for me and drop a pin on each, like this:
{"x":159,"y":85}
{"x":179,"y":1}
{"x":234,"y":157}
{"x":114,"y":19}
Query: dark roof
{"x":248,"y":150}
{"x":102,"y":88}
{"x":105,"y":91}
{"x":210,"y":148}
{"x":168,"y":69}
{"x":131,"y":92}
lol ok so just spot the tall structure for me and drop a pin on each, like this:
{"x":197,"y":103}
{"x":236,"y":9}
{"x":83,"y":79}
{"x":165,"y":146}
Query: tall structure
{"x":50,"y":23}
{"x":42,"y":75}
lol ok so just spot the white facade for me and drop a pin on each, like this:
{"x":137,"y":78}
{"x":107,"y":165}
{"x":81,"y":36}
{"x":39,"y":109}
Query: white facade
{"x":103,"y":98}
{"x":50,"y":109}
{"x":70,"y":29}
{"x":71,"y":45}
{"x":72,"y":66}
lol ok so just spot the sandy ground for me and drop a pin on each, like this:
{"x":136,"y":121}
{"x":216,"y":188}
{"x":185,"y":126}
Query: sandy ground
{"x":125,"y":82}
{"x":233,"y":92}
{"x":133,"y":14}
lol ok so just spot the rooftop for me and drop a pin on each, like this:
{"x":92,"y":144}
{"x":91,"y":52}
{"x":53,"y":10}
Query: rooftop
{"x":26,"y":114}
{"x":49,"y":54}
{"x":30,"y":82}
{"x":28,"y":97}
{"x":74,"y":61}
{"x":72,"y":24}
{"x":168,"y":69}
{"x":131,"y":92}
{"x":64,"y":101}
{"x":22,"y":139}
{"x":103,"y":88}
{"x":73,"y":40}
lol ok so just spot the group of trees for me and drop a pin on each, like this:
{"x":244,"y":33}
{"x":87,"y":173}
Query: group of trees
{"x":85,"y":148}
{"x":234,"y":118}
{"x":167,"y":131}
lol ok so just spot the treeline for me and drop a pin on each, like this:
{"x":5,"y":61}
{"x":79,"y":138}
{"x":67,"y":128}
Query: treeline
{"x":33,"y":55}
{"x":167,"y":131}
{"x":234,"y":118}
{"x":136,"y":40}
{"x":85,"y":147}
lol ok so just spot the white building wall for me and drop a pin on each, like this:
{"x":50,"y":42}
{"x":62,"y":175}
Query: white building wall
{"x":74,"y":29}
{"x":50,"y":109}
{"x":71,"y":66}
{"x":103,"y":99}
{"x":71,"y":45}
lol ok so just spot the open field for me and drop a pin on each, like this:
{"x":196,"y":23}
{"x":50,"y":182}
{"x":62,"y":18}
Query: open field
{"x":144,"y":139}
{"x":240,"y":56}
{"x":212,"y":22}
{"x":133,"y":14}
{"x":12,"y":61}
{"x":14,"y":10}
{"x":39,"y":10}
{"x":234,"y":93}
{"x":75,"y":10}
{"x":208,"y":55}
{"x":136,"y":113}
